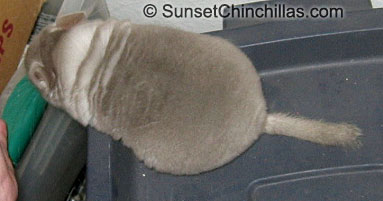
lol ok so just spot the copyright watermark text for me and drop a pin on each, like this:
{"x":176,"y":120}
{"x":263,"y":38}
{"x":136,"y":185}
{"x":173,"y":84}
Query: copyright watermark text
{"x":281,"y":11}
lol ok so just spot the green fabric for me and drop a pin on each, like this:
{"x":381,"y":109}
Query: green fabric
{"x":22,"y":113}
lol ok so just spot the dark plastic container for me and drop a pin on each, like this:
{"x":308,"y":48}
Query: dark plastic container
{"x":331,"y":70}
{"x":53,"y":158}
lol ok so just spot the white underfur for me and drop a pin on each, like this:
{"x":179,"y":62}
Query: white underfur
{"x":68,"y":56}
{"x":117,"y":45}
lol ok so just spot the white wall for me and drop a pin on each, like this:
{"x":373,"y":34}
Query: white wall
{"x":377,"y":3}
{"x":133,"y":10}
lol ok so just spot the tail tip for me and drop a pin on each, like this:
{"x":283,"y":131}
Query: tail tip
{"x":349,"y":136}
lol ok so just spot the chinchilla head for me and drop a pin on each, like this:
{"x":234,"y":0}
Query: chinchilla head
{"x":41,"y":63}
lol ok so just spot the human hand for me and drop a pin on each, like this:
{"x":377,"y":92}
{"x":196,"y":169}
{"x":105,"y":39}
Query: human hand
{"x":8,"y":184}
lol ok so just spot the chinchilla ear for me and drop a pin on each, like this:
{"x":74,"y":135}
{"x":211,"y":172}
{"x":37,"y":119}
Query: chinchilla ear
{"x":70,"y":20}
{"x":40,"y":77}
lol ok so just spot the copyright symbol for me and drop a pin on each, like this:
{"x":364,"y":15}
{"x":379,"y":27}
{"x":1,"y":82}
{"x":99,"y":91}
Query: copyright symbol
{"x":150,"y":10}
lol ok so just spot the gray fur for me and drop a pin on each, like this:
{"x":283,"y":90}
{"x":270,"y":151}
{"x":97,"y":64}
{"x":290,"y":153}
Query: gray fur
{"x":185,"y":103}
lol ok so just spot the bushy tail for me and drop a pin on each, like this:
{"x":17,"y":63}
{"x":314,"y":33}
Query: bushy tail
{"x":311,"y":130}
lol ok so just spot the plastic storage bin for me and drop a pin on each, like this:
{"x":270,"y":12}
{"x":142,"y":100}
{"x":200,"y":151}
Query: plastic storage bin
{"x":329,"y":70}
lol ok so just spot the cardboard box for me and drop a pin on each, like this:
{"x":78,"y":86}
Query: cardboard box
{"x":17,"y":18}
